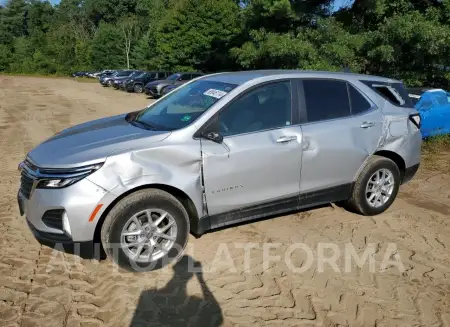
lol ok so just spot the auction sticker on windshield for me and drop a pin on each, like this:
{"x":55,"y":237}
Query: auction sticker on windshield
{"x":215,"y":93}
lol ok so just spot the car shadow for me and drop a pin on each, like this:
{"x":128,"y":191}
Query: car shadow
{"x":172,"y":306}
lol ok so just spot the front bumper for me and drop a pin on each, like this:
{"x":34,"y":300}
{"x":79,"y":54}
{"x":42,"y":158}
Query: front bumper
{"x":86,"y":250}
{"x":152,"y":92}
{"x":78,"y":202}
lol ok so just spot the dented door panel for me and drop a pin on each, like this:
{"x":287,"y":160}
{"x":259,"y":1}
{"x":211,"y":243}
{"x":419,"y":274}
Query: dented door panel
{"x":334,"y":150}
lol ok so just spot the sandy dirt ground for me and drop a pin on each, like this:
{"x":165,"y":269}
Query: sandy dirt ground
{"x":239,"y":286}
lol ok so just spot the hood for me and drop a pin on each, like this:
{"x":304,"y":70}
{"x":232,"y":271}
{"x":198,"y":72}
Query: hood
{"x":161,"y":81}
{"x":93,"y":142}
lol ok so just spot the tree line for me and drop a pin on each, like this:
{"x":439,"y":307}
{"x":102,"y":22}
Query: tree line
{"x":402,"y":39}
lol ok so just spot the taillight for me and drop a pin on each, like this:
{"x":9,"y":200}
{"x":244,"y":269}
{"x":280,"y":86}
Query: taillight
{"x":415,"y":119}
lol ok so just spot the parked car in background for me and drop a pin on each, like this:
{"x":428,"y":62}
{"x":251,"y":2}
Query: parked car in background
{"x":434,"y":108}
{"x":80,"y":74}
{"x":101,"y":73}
{"x":117,"y":81}
{"x":154,"y":88}
{"x":137,"y":84}
{"x":168,"y":89}
{"x":220,"y":150}
{"x":108,"y":79}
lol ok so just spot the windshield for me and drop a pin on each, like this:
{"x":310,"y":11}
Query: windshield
{"x":184,"y":105}
{"x":136,"y":74}
{"x":124,"y":73}
{"x":173,"y":77}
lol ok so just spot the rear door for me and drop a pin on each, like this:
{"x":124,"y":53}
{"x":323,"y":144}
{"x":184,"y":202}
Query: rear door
{"x":259,"y":160}
{"x":341,"y":129}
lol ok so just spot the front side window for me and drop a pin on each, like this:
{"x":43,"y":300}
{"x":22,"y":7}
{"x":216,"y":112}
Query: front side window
{"x":326,"y":99}
{"x":265,"y":107}
{"x":149,"y":75}
{"x":183,"y":105}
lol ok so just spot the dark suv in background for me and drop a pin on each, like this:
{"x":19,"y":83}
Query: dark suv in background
{"x":118,"y":81}
{"x":137,"y":83}
{"x":155,"y":88}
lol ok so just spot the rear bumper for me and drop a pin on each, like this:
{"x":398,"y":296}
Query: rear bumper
{"x":410,"y":172}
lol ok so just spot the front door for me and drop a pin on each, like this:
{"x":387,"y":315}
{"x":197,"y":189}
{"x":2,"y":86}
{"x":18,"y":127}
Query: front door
{"x":259,"y":160}
{"x":342,"y":128}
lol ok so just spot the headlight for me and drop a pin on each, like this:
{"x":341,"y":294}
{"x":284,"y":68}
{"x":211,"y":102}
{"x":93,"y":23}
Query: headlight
{"x":60,"y":178}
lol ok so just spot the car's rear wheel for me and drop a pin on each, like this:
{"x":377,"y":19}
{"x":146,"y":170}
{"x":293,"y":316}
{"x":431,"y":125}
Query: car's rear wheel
{"x":146,"y":230}
{"x":138,"y":88}
{"x":376,"y":187}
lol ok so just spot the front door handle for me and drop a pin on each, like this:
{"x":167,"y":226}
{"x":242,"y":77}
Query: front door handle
{"x":285,"y":139}
{"x":367,"y":124}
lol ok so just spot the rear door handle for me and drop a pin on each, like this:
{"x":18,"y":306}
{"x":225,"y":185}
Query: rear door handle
{"x":285,"y":139}
{"x":367,"y":124}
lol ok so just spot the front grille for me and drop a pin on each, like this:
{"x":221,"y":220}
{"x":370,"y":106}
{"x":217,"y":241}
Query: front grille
{"x":26,"y":185}
{"x":53,"y":218}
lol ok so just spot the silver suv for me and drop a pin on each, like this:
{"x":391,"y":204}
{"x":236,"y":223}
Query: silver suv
{"x":220,"y":150}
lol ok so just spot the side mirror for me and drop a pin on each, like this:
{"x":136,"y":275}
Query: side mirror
{"x":213,"y":136}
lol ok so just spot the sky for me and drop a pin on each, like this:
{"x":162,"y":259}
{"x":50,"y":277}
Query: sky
{"x":337,"y":3}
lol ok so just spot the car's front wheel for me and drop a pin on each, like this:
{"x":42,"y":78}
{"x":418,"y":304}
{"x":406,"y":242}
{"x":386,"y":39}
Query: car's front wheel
{"x":376,"y":187}
{"x":146,"y":230}
{"x":138,"y":88}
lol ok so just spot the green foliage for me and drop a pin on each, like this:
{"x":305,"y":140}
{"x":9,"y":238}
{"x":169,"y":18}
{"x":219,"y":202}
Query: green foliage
{"x":406,"y":39}
{"x":196,"y":33}
{"x":107,"y":48}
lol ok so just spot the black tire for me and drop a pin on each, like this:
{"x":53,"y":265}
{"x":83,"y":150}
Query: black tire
{"x":132,"y":204}
{"x":358,"y":201}
{"x":138,"y":88}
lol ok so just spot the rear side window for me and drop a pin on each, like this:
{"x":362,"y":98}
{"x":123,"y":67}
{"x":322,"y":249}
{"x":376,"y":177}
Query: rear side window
{"x":359,"y":103}
{"x":395,"y":93}
{"x":326,"y":99}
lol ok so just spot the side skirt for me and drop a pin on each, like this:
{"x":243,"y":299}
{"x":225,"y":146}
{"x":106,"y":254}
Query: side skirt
{"x":303,"y":201}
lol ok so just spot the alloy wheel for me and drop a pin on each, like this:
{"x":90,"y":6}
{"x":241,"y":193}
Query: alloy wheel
{"x":379,"y":188}
{"x":148,"y":235}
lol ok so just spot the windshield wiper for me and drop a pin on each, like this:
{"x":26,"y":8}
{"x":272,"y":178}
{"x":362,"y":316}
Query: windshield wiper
{"x":136,"y":122}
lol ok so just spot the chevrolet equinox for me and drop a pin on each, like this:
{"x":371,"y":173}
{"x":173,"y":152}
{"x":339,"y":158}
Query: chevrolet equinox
{"x":219,"y":150}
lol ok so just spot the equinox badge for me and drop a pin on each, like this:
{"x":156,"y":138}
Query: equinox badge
{"x":230,"y":188}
